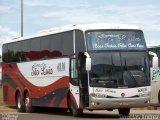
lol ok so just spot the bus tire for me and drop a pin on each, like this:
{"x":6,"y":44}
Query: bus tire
{"x":75,"y":112}
{"x":19,"y":105}
{"x":124,"y":111}
{"x":27,"y":103}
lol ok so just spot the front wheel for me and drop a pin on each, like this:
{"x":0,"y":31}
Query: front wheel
{"x":75,"y":111}
{"x":124,"y":111}
{"x":28,"y":107}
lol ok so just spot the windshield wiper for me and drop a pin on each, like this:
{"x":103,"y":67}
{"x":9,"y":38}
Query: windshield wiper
{"x":125,"y":62}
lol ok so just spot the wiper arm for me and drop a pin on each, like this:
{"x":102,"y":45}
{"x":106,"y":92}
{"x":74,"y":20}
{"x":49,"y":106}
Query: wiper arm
{"x":125,"y":63}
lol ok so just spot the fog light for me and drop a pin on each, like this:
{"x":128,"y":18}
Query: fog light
{"x":93,"y":103}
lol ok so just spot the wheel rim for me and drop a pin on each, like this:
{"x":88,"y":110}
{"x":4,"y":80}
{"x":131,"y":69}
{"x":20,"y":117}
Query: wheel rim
{"x":19,"y":102}
{"x":27,"y":102}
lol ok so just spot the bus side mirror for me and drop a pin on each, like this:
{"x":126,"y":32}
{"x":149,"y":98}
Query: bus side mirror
{"x":88,"y":64}
{"x":88,"y":61}
{"x":154,"y":59}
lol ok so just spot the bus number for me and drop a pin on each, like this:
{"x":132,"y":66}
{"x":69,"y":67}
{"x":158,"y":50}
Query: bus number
{"x":61,"y":67}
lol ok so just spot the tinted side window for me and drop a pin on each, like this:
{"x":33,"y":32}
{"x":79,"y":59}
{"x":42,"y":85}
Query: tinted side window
{"x":157,"y":51}
{"x":45,"y":47}
{"x":80,"y":42}
{"x":57,"y":45}
{"x":67,"y":43}
{"x":49,"y":46}
{"x":158,"y":54}
{"x":5,"y":52}
{"x":17,"y":47}
{"x":11,"y":52}
{"x":34,"y":53}
{"x":25,"y":50}
{"x":35,"y":44}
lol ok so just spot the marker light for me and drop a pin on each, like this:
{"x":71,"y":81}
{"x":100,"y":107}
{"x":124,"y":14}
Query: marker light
{"x":93,"y":94}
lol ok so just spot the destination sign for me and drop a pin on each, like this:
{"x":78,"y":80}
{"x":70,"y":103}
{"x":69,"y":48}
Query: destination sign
{"x":105,"y":40}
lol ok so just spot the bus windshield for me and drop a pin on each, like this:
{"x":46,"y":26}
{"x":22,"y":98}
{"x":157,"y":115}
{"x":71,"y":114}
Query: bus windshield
{"x":115,"y":40}
{"x":119,"y":69}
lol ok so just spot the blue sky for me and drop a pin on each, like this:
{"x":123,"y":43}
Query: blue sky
{"x":43,"y":14}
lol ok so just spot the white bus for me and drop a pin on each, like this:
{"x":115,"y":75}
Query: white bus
{"x":94,"y":67}
{"x":155,"y":76}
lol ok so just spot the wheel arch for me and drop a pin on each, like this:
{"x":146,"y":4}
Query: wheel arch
{"x":19,"y":91}
{"x":26,"y":90}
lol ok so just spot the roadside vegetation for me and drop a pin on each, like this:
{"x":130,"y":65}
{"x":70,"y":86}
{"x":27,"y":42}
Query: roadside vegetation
{"x":1,"y":95}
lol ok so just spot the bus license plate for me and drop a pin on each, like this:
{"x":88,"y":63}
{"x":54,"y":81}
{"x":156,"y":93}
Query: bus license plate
{"x":123,"y":103}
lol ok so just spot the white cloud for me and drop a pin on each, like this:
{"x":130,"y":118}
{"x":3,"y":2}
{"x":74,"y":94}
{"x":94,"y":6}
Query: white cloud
{"x":34,"y":3}
{"x":42,"y":14}
{"x":153,"y":41}
{"x":53,"y":14}
{"x":5,"y":9}
{"x":6,"y":35}
{"x":142,"y":16}
{"x":146,"y":16}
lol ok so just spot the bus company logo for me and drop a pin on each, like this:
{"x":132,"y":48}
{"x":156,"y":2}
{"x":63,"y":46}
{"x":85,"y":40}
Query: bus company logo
{"x":41,"y":69}
{"x":105,"y":90}
{"x":61,"y":67}
{"x":142,"y":90}
{"x":99,"y":90}
{"x":110,"y":90}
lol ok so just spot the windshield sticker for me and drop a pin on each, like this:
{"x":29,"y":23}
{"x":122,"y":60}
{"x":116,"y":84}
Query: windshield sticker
{"x":119,"y":45}
{"x":115,"y":40}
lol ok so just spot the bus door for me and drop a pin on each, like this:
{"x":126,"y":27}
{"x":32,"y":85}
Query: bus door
{"x":83,"y":81}
{"x":79,"y":81}
{"x":74,"y":83}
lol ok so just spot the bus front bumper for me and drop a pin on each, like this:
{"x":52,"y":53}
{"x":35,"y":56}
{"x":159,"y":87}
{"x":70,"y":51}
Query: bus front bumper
{"x":114,"y":103}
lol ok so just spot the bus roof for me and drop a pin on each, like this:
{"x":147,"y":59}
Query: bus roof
{"x":82,"y":27}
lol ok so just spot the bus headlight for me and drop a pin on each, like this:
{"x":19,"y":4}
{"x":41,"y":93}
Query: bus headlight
{"x":93,"y":103}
